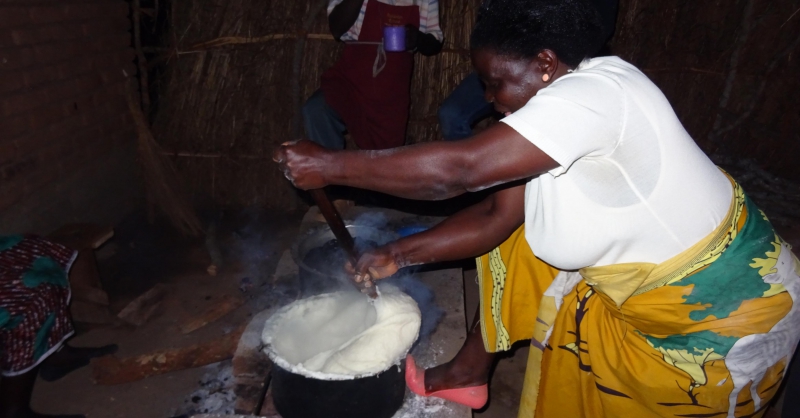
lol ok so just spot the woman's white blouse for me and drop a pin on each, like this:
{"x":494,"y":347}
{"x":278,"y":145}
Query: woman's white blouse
{"x":632,"y":185}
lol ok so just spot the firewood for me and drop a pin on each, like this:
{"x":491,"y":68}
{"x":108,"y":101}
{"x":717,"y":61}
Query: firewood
{"x":144,"y":307}
{"x":111,"y":370}
{"x":223,"y":307}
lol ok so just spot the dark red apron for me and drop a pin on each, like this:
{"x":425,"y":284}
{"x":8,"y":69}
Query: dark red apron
{"x":374,"y":108}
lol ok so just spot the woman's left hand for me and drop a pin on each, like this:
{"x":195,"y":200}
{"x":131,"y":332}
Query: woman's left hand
{"x":304,"y":163}
{"x":375,"y":264}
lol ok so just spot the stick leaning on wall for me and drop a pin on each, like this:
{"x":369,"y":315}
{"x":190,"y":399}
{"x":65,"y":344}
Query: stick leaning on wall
{"x":160,"y":177}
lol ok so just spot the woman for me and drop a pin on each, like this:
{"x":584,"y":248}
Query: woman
{"x":466,"y":104}
{"x":35,"y":321}
{"x":673,"y":296}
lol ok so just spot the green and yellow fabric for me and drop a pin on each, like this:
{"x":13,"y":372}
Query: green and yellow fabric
{"x":708,"y":333}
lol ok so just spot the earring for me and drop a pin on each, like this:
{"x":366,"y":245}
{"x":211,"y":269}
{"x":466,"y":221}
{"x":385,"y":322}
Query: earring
{"x":546,"y":78}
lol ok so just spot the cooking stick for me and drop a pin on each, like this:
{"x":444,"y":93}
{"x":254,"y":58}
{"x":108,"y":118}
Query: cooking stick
{"x":340,"y":231}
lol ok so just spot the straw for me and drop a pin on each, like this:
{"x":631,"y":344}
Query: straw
{"x":228,"y":98}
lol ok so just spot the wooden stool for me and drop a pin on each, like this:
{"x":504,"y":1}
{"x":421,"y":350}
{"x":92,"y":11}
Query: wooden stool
{"x":89,"y":300}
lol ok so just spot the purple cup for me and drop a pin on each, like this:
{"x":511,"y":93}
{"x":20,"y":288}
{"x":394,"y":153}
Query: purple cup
{"x":394,"y":38}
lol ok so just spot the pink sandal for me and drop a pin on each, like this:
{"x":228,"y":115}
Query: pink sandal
{"x":474,"y":397}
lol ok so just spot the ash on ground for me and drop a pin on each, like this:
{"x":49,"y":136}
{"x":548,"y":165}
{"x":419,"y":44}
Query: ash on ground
{"x":416,"y":406}
{"x":215,"y":395}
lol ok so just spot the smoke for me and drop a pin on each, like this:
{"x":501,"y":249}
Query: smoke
{"x":254,"y":246}
{"x":407,"y":280}
{"x":254,"y":243}
{"x":377,"y":220}
{"x":253,"y":249}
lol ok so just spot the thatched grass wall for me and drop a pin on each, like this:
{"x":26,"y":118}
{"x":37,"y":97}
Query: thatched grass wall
{"x":727,"y":67}
{"x":225,"y":108}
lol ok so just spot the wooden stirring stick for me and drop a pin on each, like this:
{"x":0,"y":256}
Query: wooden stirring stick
{"x":340,"y":231}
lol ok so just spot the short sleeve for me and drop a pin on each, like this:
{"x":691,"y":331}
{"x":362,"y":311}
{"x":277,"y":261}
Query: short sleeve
{"x":354,"y":31}
{"x":579,"y":115}
{"x":332,"y":4}
{"x":429,"y":19}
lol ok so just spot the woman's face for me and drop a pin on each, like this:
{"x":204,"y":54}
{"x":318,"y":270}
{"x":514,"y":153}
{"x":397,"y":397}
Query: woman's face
{"x":510,"y":82}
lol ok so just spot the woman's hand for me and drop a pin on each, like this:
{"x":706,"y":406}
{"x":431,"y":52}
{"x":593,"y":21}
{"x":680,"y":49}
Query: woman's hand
{"x":303,"y":163}
{"x":375,"y":264}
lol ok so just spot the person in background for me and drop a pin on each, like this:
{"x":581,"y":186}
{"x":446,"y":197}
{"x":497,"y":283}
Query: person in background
{"x":648,"y":282}
{"x":367,"y":91}
{"x":35,"y":321}
{"x":467,"y":104}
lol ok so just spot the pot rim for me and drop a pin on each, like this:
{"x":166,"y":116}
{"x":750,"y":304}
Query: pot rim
{"x":268,"y":333}
{"x":323,"y":229}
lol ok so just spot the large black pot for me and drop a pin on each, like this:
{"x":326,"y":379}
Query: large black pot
{"x":321,"y":279}
{"x":378,"y":396}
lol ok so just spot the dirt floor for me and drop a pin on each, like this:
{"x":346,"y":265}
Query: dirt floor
{"x":137,"y":258}
{"x":506,"y":385}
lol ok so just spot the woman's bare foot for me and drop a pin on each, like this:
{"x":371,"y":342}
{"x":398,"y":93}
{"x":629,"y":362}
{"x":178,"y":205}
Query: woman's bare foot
{"x":470,"y":367}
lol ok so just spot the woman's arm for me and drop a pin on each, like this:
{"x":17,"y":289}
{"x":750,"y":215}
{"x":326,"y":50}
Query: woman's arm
{"x":472,"y":231}
{"x":431,"y":171}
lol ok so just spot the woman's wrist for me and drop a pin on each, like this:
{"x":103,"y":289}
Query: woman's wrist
{"x":397,"y":253}
{"x":332,"y":167}
{"x":403,"y":253}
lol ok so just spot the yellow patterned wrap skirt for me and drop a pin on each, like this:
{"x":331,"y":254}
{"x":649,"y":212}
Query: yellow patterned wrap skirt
{"x":708,"y":333}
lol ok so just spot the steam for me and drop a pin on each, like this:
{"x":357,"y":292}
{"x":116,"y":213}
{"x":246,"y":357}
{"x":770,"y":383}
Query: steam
{"x":256,"y":249}
{"x":407,"y":280}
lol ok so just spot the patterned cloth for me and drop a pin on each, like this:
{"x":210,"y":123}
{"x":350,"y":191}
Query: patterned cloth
{"x":428,"y":17}
{"x":34,"y":301}
{"x":708,"y":333}
{"x":510,"y":277}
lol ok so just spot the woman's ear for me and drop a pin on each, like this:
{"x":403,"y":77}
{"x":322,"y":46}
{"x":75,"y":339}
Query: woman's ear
{"x":547,"y":62}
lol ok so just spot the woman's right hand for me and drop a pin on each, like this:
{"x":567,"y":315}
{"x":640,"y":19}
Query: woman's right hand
{"x":376,"y":264}
{"x":304,"y":163}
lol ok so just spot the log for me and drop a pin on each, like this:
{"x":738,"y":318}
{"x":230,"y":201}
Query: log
{"x":220,"y":309}
{"x":251,"y":367}
{"x":144,"y":307}
{"x":111,"y":370}
{"x":90,"y":294}
{"x":90,"y":313}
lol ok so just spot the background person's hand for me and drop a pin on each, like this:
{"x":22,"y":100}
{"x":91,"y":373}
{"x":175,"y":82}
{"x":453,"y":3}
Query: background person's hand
{"x":412,"y":37}
{"x":303,"y":162}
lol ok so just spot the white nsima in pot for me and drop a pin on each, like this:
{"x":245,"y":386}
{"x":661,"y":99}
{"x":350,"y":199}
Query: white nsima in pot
{"x":343,"y":335}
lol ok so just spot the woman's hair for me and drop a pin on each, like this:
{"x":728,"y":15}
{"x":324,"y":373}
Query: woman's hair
{"x":523,"y":28}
